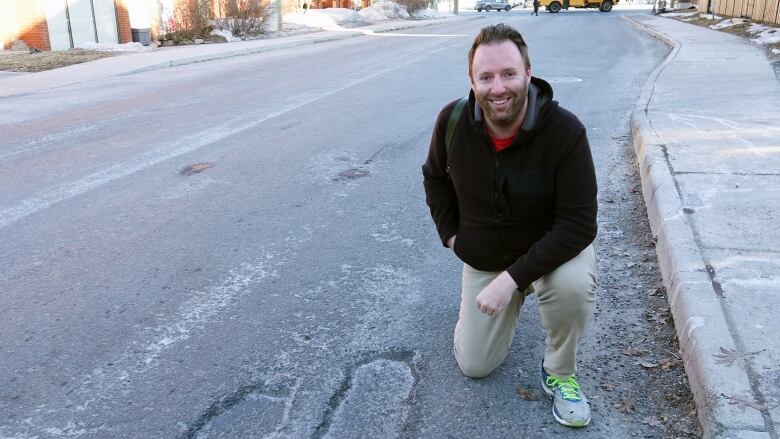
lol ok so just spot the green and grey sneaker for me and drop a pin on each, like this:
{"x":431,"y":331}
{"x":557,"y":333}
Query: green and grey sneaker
{"x":570,"y":406}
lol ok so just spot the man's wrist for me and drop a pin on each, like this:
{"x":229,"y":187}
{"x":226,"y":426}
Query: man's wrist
{"x":510,"y":280}
{"x":451,"y":241}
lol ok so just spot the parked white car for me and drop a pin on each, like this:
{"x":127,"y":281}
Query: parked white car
{"x":490,"y":5}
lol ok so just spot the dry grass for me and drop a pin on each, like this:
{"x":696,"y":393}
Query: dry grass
{"x":740,"y":29}
{"x":37,"y":62}
{"x":702,"y":21}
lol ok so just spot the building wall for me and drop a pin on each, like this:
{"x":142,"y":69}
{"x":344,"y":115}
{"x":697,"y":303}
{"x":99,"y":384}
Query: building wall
{"x":123,"y":20}
{"x":23,"y":20}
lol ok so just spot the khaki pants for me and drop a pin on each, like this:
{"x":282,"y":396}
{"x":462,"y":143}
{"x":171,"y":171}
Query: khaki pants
{"x":566,"y":299}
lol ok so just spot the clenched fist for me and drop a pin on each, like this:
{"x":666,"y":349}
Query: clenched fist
{"x":494,"y":297}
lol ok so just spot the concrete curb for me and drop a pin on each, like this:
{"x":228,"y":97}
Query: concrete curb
{"x":702,"y":328}
{"x":231,"y":54}
{"x":350,"y":33}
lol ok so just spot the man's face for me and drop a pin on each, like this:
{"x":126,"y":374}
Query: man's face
{"x":500,"y":80}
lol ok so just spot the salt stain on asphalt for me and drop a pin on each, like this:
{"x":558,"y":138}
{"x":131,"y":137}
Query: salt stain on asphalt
{"x":204,"y":305}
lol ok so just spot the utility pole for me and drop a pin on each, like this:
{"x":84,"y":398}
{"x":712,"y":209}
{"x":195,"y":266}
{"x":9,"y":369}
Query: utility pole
{"x":278,"y":6}
{"x":455,"y":7}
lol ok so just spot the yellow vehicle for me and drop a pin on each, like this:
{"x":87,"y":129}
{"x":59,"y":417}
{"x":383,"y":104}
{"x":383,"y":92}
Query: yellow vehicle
{"x":557,"y":5}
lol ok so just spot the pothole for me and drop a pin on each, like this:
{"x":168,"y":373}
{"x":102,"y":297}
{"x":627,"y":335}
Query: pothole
{"x":253,"y":411}
{"x":195,"y":168}
{"x":375,"y":404}
{"x":374,"y":399}
{"x":351,"y":174}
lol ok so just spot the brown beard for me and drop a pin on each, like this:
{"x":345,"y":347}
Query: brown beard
{"x":512,"y":114}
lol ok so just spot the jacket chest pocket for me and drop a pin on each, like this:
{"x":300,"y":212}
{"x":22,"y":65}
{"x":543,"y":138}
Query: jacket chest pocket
{"x":529,"y":194}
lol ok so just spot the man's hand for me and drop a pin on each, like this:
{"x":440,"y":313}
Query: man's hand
{"x":495,"y":297}
{"x":451,"y":242}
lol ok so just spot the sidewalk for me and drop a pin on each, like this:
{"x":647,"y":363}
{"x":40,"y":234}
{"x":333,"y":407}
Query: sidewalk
{"x":176,"y":56}
{"x":707,"y":135}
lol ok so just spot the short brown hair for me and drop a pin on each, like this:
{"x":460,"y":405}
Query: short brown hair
{"x":499,"y":33}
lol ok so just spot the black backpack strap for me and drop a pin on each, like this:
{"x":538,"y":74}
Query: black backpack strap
{"x":452,"y":123}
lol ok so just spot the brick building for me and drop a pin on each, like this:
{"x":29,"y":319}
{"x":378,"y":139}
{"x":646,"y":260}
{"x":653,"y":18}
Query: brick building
{"x":63,"y":24}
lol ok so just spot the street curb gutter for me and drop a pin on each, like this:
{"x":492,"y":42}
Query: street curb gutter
{"x":702,"y":327}
{"x":251,"y":51}
{"x":231,"y":54}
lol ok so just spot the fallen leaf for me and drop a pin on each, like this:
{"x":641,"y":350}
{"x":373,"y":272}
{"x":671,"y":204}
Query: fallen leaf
{"x":634,"y":352}
{"x":743,"y":403}
{"x":626,"y":405}
{"x":668,"y":363}
{"x":662,"y":316}
{"x":726,"y":356}
{"x":672,"y":396}
{"x":526,"y":394}
{"x":729,"y":356}
{"x":653,"y":422}
{"x":647,"y":364}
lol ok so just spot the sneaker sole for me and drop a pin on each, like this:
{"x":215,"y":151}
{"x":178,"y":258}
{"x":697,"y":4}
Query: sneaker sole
{"x":551,"y":394}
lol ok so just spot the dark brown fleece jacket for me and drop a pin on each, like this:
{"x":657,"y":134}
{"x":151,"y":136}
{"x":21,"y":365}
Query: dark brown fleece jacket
{"x":527,"y":209}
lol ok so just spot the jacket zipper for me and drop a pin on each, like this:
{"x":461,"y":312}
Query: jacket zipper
{"x":497,"y":216}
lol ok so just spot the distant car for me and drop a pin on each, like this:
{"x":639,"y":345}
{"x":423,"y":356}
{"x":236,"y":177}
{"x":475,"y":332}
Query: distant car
{"x":489,"y":5}
{"x":555,"y":6}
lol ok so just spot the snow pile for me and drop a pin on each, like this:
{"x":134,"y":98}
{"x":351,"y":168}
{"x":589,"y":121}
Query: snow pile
{"x":682,"y":15}
{"x":328,"y":19}
{"x":226,"y":34}
{"x":384,"y":11}
{"x":428,"y":13}
{"x":344,"y":17}
{"x":339,"y":18}
{"x":690,"y":16}
{"x":724,"y":23}
{"x":115,"y":47}
{"x":766,"y":34}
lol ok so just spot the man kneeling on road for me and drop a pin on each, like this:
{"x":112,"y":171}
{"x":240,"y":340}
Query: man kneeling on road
{"x":512,"y":190}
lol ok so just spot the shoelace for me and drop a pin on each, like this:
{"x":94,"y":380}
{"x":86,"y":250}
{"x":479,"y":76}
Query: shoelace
{"x":570,"y":388}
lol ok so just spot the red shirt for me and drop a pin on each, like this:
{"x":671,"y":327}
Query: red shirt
{"x":500,"y":144}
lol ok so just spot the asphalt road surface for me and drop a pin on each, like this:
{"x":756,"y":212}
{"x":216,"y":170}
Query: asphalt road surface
{"x":241,"y":248}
